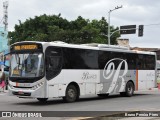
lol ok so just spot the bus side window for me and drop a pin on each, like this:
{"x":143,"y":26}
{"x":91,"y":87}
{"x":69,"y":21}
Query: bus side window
{"x":53,"y":62}
{"x":150,"y":62}
{"x":140,"y":61}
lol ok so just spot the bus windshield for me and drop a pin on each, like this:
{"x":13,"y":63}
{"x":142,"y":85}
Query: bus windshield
{"x":27,"y":65}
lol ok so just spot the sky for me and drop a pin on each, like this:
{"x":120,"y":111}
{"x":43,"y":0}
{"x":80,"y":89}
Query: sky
{"x":133,"y":12}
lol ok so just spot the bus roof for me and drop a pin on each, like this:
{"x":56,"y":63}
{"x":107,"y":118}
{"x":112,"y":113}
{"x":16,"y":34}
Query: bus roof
{"x":93,"y":46}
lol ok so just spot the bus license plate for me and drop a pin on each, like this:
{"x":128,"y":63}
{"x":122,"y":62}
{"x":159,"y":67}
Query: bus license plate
{"x":20,"y":92}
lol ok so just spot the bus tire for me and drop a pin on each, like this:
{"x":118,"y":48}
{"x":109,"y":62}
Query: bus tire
{"x":71,"y":94}
{"x":102,"y":95}
{"x":42,"y":99}
{"x":129,"y":89}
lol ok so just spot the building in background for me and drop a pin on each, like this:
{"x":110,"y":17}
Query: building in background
{"x":123,"y":42}
{"x":157,"y":50}
{"x":4,"y":48}
{"x":3,"y":39}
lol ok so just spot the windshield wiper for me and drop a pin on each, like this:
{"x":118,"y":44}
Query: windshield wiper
{"x":17,"y":59}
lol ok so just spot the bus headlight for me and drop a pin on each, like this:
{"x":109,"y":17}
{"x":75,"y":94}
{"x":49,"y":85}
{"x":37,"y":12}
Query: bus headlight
{"x":37,"y":86}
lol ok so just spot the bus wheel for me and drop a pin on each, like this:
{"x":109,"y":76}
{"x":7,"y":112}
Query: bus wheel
{"x":103,"y":95}
{"x":129,"y":89}
{"x":71,"y":94}
{"x":42,"y":99}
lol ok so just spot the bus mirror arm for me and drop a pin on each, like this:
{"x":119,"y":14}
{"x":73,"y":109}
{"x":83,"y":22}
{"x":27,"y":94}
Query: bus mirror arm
{"x":6,"y":67}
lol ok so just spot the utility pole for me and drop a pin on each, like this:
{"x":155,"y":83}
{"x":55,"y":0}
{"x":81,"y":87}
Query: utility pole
{"x":5,"y":15}
{"x":118,"y":7}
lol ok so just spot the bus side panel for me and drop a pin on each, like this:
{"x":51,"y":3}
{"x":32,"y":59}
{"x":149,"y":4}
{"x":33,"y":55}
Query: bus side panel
{"x":55,"y":86}
{"x":142,"y":79}
{"x":53,"y":90}
{"x":146,"y":79}
{"x":151,"y":81}
{"x":86,"y":79}
{"x":117,"y":81}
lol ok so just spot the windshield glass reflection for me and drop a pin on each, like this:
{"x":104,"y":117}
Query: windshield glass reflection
{"x":27,"y":65}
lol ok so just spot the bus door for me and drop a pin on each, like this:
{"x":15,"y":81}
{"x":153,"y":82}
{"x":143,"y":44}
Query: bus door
{"x":54,"y":75}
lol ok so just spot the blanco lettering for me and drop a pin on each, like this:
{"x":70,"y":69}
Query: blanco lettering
{"x":87,"y":76}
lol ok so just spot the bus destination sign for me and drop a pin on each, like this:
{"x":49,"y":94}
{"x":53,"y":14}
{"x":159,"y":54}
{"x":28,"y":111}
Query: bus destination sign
{"x":25,"y":47}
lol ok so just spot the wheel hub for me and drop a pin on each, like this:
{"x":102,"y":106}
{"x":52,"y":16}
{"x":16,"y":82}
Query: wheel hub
{"x":71,"y":93}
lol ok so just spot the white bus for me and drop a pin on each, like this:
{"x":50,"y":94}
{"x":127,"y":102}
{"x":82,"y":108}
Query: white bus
{"x":45,"y":70}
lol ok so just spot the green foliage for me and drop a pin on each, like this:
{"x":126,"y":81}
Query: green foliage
{"x":55,"y":28}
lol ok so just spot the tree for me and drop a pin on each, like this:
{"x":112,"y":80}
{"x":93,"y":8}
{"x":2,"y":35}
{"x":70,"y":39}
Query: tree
{"x":55,"y":28}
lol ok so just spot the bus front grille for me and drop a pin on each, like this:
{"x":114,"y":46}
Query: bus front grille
{"x":21,"y":93}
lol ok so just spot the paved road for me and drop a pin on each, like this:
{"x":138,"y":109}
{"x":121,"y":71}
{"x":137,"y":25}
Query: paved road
{"x":140,"y":101}
{"x":146,"y":100}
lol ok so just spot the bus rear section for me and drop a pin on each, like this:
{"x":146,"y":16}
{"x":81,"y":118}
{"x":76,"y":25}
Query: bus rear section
{"x":146,"y":72}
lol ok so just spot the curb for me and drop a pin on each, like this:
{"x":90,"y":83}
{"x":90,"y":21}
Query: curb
{"x":5,"y":91}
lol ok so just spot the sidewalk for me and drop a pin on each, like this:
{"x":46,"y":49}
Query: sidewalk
{"x":5,"y":91}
